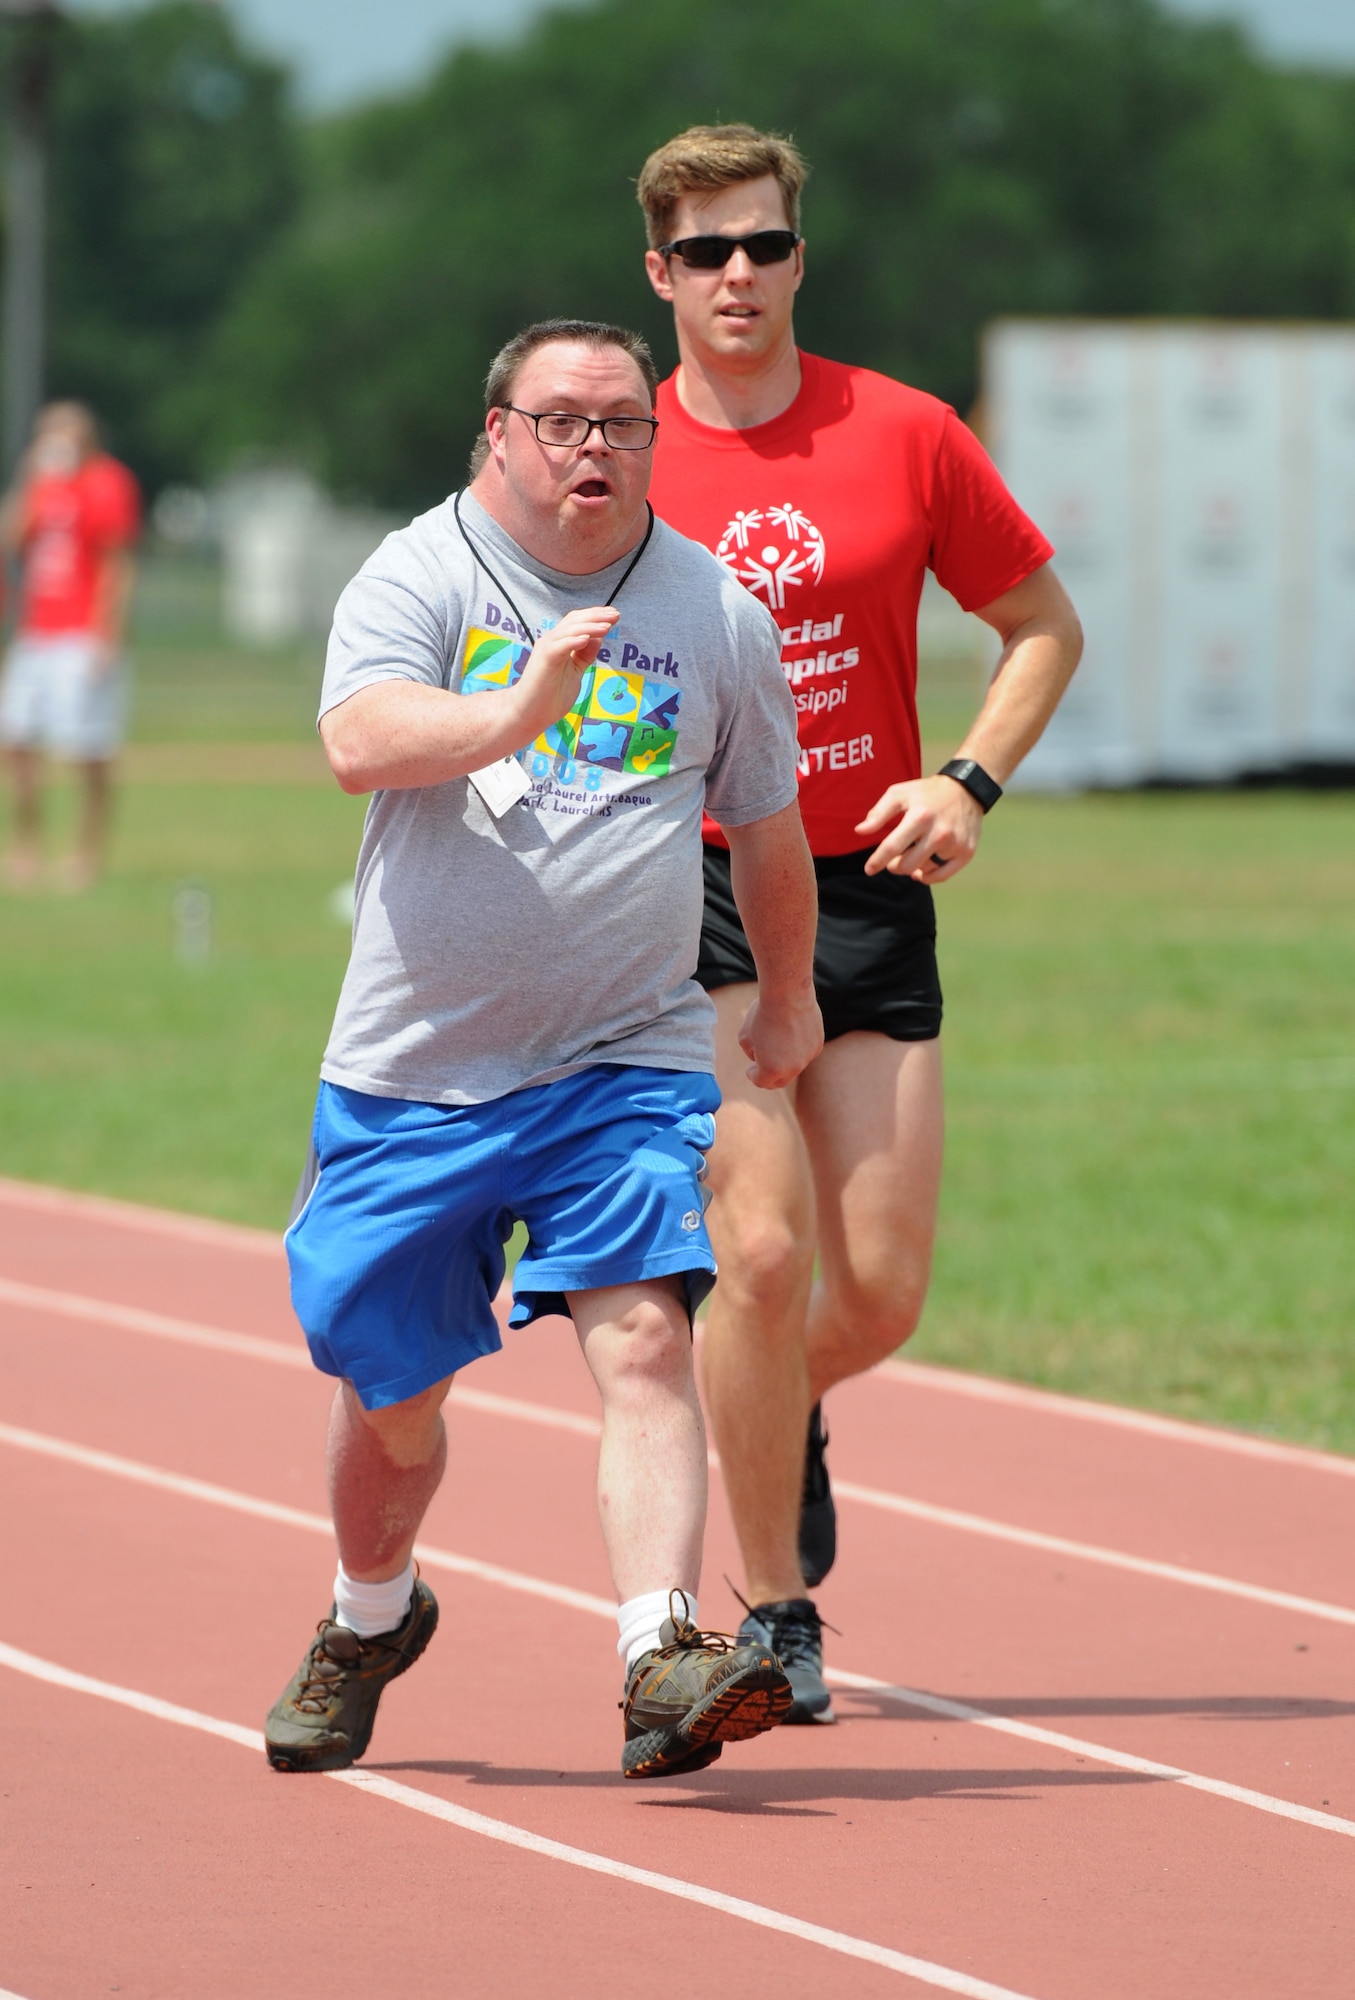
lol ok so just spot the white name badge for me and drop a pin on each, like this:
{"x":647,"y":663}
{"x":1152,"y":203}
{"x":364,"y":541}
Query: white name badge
{"x":501,"y":785}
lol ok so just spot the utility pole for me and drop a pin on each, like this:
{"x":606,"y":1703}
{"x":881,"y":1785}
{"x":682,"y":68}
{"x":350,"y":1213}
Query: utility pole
{"x":29,"y":36}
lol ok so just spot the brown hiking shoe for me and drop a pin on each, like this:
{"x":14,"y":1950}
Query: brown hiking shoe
{"x":695,"y":1693}
{"x":322,"y":1720}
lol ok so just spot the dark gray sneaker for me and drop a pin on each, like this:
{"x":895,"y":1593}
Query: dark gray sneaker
{"x":695,"y":1693}
{"x":322,"y":1720}
{"x":793,"y":1631}
{"x":818,"y":1515}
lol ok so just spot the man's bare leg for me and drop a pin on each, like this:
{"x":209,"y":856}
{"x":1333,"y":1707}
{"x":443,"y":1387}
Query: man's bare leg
{"x":754,"y":1369}
{"x":384,"y":1468}
{"x":96,"y":790}
{"x":872,"y":1115}
{"x":685,"y":1697}
{"x":860,"y":1157}
{"x":25,"y":852}
{"x":652,"y":1477}
{"x":385,"y":1465}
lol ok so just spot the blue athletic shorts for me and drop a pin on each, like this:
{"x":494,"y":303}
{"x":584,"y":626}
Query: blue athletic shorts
{"x":398,"y":1250}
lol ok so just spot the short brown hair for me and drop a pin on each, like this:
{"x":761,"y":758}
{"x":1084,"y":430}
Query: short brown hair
{"x":507,"y":364}
{"x":704,"y":159}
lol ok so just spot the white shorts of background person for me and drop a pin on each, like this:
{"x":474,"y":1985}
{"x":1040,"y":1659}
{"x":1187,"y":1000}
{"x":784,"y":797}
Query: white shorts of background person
{"x":63,"y":695}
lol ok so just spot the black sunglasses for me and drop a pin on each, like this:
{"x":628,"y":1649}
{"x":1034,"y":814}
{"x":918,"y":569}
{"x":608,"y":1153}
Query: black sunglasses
{"x":712,"y":253}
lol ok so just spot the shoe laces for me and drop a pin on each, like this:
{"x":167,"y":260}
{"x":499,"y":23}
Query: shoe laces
{"x":328,"y":1671}
{"x":687,"y":1636}
{"x":796,"y":1635}
{"x":797,"y":1629}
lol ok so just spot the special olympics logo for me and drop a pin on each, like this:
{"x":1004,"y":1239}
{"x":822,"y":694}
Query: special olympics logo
{"x":769,"y":551}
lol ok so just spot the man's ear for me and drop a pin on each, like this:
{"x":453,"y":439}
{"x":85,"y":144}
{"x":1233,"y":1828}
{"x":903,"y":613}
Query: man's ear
{"x":660,"y":277}
{"x":494,"y":431}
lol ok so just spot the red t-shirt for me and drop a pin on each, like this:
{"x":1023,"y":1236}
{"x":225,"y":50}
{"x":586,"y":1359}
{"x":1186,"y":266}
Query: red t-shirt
{"x":70,"y":523}
{"x":830,"y":514}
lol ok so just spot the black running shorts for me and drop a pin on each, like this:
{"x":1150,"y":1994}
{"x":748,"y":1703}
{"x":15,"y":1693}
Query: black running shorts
{"x":874,"y":958}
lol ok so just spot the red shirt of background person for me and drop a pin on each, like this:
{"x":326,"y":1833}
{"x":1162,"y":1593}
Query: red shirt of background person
{"x":845,"y":500}
{"x":72,"y":519}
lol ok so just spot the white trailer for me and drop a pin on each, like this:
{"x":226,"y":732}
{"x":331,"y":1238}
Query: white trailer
{"x":1198,"y":480}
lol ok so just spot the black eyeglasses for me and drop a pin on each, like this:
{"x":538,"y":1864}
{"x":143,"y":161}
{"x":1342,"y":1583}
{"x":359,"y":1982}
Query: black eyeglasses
{"x":559,"y":427}
{"x":712,"y":253}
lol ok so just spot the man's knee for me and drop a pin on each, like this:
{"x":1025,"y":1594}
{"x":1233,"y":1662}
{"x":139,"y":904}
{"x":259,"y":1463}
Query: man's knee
{"x":765,"y":1261}
{"x":648,"y":1347}
{"x":408,"y":1432}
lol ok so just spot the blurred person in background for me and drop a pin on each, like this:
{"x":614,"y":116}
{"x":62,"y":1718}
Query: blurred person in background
{"x":829,"y":490}
{"x":71,"y":519}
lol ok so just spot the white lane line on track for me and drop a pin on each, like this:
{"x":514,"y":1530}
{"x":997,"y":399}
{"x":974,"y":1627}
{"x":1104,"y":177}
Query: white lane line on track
{"x":134,"y":1320}
{"x":921,"y":1969}
{"x":251,"y":1347}
{"x":226,"y":1235}
{"x":1120,"y":1760}
{"x":1059,"y":1545}
{"x":525,"y":1413}
{"x":289,"y":1517}
{"x":131,"y":1215}
{"x":1049,"y":1403}
{"x":603,"y":1607}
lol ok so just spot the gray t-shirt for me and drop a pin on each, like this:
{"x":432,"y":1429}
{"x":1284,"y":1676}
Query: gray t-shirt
{"x":490,"y":954}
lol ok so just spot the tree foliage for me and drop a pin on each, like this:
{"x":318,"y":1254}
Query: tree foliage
{"x":174,"y":164}
{"x":970,"y":158}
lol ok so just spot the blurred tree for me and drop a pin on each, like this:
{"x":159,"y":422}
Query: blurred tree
{"x":173,"y":168}
{"x":970,"y":158}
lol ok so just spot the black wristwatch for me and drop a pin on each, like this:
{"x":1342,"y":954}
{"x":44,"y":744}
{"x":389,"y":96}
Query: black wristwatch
{"x":975,"y":780}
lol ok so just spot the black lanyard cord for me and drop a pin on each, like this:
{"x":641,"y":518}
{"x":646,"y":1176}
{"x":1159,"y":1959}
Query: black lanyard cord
{"x":478,"y":557}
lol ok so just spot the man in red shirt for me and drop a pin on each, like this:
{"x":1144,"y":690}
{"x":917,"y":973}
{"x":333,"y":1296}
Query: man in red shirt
{"x":71,"y":518}
{"x":829,"y":490}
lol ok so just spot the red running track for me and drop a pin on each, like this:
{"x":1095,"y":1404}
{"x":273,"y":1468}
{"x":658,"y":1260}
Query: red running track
{"x":1096,"y":1734}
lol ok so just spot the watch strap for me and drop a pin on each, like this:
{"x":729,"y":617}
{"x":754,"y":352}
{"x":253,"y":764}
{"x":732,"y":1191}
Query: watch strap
{"x":975,"y":780}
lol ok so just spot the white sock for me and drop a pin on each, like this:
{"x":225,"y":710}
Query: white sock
{"x":369,"y":1608}
{"x":639,"y":1619}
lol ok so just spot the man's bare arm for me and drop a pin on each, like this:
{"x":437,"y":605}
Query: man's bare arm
{"x":1041,"y":646}
{"x":12,"y":512}
{"x":395,"y":735}
{"x":113,"y":597}
{"x":772,"y":875}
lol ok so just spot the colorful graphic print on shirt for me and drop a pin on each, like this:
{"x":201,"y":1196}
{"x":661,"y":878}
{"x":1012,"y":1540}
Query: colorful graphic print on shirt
{"x":624,"y":721}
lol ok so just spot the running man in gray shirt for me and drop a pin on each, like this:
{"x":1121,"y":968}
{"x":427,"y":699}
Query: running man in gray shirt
{"x":542,"y":688}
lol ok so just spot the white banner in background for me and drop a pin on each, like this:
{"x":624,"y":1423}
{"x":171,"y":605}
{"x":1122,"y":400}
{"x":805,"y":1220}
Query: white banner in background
{"x":1064,"y":399}
{"x":1198,"y":481}
{"x":1327,"y":732}
{"x":1223,"y":438}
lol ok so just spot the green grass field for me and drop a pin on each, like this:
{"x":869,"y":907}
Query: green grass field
{"x":1152,"y":1078}
{"x":1149,"y":1043}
